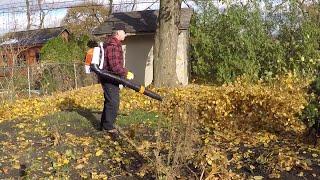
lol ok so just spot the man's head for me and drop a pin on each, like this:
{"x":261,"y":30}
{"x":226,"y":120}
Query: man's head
{"x":118,"y":31}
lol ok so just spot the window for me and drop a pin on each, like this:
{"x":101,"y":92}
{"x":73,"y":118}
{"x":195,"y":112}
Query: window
{"x":4,"y":60}
{"x":21,"y":59}
{"x":37,"y":57}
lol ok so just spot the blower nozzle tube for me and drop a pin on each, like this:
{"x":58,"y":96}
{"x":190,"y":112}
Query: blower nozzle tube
{"x":117,"y":79}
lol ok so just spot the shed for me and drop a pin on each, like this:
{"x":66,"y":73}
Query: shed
{"x":26,"y":45}
{"x":138,"y":45}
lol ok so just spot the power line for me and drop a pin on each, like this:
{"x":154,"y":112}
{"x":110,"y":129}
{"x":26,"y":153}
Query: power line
{"x":8,"y":12}
{"x":21,"y":7}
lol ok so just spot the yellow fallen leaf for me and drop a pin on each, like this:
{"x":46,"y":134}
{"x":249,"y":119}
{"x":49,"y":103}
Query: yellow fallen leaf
{"x":99,"y":152}
{"x":65,"y":161}
{"x":300,"y":174}
{"x":88,"y":155}
{"x":258,"y":177}
{"x":117,"y":159}
{"x":16,"y":165}
{"x":274,"y":175}
{"x":79,"y":166}
{"x":315,"y":155}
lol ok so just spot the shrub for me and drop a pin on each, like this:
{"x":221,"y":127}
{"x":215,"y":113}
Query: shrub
{"x":58,"y":50}
{"x":311,"y":114}
{"x":260,"y":43}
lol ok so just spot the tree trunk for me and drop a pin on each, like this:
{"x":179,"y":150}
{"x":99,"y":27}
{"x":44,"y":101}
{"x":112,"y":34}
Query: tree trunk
{"x":41,"y":14}
{"x":110,"y":7}
{"x":166,"y":40}
{"x":28,"y":15}
{"x":134,"y":6}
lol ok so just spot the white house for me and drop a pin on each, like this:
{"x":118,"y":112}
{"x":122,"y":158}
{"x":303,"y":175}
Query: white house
{"x":138,"y":45}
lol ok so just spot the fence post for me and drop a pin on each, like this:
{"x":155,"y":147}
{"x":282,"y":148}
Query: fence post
{"x":11,"y":83}
{"x":75,"y":75}
{"x":29,"y":84}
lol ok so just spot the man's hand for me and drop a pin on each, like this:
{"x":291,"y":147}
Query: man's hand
{"x":130,"y":75}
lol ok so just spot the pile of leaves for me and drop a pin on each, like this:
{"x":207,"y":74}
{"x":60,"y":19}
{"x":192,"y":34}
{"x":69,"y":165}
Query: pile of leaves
{"x":246,"y":104}
{"x":277,"y":104}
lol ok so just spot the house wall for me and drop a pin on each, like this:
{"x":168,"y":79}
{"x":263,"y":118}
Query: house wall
{"x":65,"y":35}
{"x":26,"y":57}
{"x":31,"y":55}
{"x":3,"y":58}
{"x":138,"y":55}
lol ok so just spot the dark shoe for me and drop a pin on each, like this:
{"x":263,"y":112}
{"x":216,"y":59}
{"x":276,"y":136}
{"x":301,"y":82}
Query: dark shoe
{"x":100,"y":128}
{"x":114,"y":134}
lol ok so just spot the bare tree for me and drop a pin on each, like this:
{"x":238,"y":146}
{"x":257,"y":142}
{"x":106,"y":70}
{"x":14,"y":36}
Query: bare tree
{"x":42,"y":14}
{"x":28,"y":14}
{"x":165,"y":50}
{"x":31,"y":10}
{"x":134,"y":5}
{"x":83,"y":19}
{"x":110,"y":7}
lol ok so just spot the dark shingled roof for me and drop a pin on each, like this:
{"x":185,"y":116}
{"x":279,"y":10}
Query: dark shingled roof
{"x":140,"y":21}
{"x":31,"y":37}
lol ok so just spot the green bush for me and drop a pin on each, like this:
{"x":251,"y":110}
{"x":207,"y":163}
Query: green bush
{"x":299,"y":36}
{"x":57,"y":77}
{"x":310,"y":114}
{"x":261,"y":43}
{"x":60,"y":76}
{"x":61,"y":51}
{"x":230,"y":43}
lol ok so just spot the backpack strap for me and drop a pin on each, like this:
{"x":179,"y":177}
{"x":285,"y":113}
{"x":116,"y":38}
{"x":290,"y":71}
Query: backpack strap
{"x":101,"y":57}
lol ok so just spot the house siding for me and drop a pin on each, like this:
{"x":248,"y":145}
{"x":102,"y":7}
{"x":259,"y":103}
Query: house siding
{"x":138,"y":57}
{"x":65,"y":35}
{"x":10,"y":54}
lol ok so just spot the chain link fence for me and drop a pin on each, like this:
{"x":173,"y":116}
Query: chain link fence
{"x":42,"y":79}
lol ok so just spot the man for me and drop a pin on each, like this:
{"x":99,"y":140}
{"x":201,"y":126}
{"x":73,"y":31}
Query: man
{"x":113,"y":62}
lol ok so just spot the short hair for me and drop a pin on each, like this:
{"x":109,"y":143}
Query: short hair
{"x":92,"y":44}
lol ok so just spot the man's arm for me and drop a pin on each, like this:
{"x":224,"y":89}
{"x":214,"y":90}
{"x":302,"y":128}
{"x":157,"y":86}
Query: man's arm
{"x":116,"y":60}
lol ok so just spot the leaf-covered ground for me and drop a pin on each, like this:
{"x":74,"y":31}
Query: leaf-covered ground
{"x":68,"y":145}
{"x":262,"y":154}
{"x":242,"y":132}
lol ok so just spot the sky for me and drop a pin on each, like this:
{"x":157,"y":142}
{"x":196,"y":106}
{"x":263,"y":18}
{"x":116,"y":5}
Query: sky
{"x":18,"y":20}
